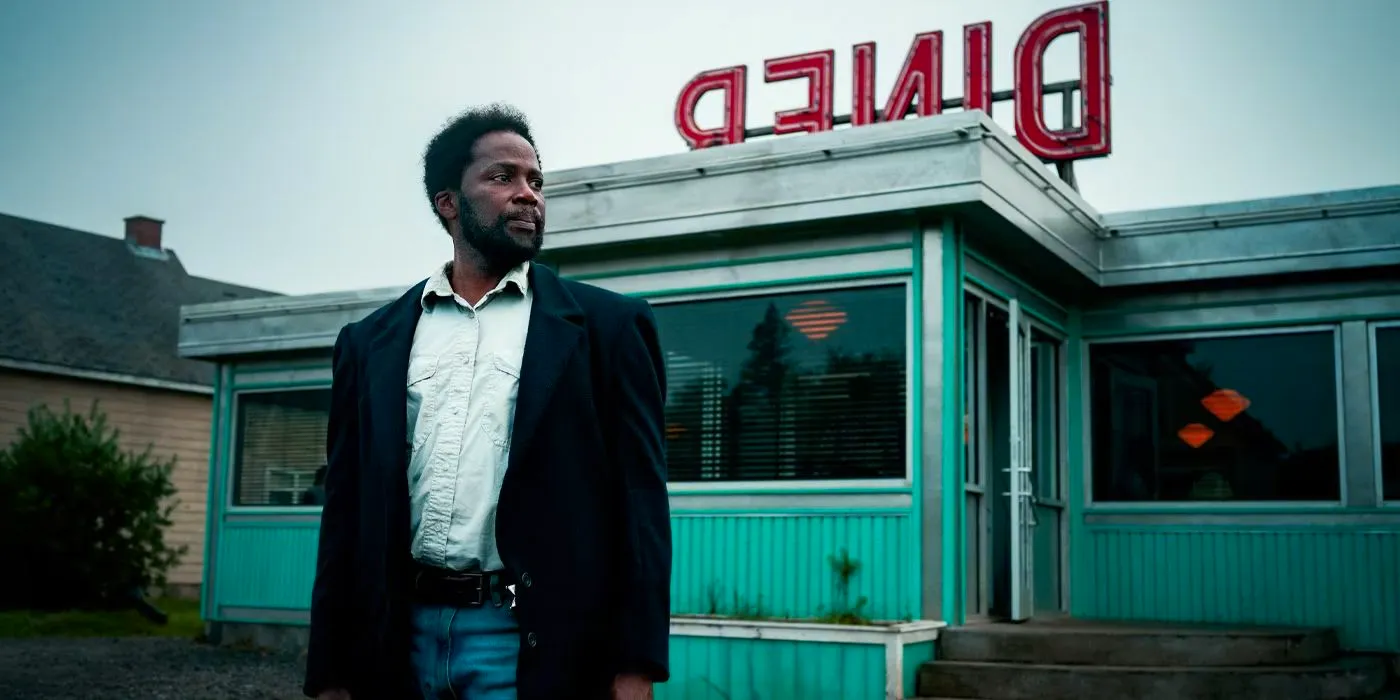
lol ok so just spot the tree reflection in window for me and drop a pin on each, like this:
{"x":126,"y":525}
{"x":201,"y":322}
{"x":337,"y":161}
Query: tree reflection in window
{"x":1239,"y":418}
{"x":789,"y":386}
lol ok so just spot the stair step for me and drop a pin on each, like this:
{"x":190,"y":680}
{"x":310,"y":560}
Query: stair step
{"x":1132,"y":645}
{"x":1344,"y":677}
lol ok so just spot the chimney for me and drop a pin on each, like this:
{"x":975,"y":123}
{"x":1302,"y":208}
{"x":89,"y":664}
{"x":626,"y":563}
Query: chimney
{"x":143,"y":232}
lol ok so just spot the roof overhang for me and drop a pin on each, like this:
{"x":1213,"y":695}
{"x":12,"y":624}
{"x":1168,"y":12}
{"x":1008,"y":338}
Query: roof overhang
{"x":959,"y":165}
{"x":1285,"y":235}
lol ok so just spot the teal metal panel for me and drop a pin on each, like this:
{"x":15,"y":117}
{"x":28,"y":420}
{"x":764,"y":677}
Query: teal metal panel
{"x":705,"y":668}
{"x":914,"y":656}
{"x":1342,"y":577}
{"x":266,"y":565}
{"x":954,"y":526}
{"x":780,"y":563}
{"x":214,"y":511}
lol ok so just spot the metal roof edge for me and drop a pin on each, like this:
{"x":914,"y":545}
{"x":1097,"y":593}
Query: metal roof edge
{"x":768,"y":152}
{"x":1253,"y":212}
{"x":300,"y":303}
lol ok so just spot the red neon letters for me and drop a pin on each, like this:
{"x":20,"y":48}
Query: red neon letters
{"x":1091,"y":137}
{"x":817,"y":69}
{"x":731,"y":81}
{"x":977,"y":68}
{"x":919,"y":86}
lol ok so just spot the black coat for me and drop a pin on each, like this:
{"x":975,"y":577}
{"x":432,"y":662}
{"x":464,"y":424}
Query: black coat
{"x":583,"y":513}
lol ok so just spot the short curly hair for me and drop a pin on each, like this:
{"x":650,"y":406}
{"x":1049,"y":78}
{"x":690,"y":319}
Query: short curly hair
{"x":450,"y":151}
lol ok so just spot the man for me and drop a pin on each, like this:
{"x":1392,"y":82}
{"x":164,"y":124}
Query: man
{"x":496,"y":522}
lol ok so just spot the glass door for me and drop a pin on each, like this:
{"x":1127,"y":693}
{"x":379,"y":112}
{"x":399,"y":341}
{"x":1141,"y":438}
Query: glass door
{"x":1022,"y":450}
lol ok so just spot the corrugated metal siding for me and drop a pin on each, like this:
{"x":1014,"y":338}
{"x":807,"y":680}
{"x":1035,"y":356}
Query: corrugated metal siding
{"x":266,"y":565}
{"x":734,"y":669}
{"x":782,"y":562}
{"x":174,"y":423}
{"x":915,"y":655}
{"x":1343,"y":578}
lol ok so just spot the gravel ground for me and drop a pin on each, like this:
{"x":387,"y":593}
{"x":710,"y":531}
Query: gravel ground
{"x":143,"y":668}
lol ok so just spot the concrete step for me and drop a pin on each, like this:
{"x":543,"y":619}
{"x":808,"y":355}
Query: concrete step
{"x":1345,"y":677}
{"x":1136,"y":645}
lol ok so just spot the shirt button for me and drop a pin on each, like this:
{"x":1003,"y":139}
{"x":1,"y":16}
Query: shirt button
{"x":530,"y":639}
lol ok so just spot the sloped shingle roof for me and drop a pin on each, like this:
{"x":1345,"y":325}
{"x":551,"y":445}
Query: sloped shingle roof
{"x":86,"y":301}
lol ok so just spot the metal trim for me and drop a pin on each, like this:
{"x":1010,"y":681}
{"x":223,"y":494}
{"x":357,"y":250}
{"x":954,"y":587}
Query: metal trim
{"x":856,"y":265}
{"x":1373,"y":372}
{"x":1304,"y":519}
{"x":737,"y":262}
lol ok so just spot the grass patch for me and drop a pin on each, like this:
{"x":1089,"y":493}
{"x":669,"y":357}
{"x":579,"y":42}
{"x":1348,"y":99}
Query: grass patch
{"x":184,"y":621}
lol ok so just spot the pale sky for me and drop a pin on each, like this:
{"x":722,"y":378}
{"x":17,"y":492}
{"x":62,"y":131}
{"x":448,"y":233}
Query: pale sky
{"x":281,"y":140}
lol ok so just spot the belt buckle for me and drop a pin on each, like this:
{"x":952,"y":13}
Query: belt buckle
{"x":468,"y":576}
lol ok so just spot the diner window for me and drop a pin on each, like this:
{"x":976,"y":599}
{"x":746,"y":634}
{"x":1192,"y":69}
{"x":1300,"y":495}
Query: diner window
{"x":1235,"y":418}
{"x":279,"y":455}
{"x":1388,"y":408}
{"x":789,"y":386}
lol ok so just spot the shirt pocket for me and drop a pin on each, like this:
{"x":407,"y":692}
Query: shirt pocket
{"x":501,"y":386}
{"x":422,"y":370}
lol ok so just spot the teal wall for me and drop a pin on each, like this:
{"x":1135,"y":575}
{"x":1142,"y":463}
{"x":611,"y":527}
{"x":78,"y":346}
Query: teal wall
{"x":265,"y":567}
{"x":1346,"y":577}
{"x":1249,"y":564}
{"x":780,"y":561}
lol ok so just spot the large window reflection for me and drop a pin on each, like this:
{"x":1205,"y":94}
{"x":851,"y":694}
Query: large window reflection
{"x":1388,"y":407}
{"x":1240,"y":418}
{"x":804,"y":385}
{"x":280,"y":454}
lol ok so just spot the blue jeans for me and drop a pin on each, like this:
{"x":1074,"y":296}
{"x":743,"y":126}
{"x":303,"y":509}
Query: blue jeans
{"x":465,"y":653}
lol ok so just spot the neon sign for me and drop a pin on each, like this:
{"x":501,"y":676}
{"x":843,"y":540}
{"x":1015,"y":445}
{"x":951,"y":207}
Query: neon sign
{"x":918,"y":90}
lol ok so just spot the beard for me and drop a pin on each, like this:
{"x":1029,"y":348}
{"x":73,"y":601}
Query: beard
{"x":499,"y":249}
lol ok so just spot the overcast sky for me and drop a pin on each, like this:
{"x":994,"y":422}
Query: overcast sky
{"x":281,"y":140}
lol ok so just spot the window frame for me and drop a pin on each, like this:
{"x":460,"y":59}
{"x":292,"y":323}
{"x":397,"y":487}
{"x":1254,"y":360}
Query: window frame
{"x":230,"y":498}
{"x":1087,"y":416}
{"x":911,"y":390}
{"x":1372,"y":355}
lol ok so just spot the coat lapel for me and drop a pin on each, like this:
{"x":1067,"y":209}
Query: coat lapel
{"x":555,"y":330}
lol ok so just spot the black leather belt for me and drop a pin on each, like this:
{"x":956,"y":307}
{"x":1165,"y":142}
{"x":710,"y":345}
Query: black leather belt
{"x":436,"y":586}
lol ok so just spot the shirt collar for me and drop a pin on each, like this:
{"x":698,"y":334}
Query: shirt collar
{"x":440,"y":284}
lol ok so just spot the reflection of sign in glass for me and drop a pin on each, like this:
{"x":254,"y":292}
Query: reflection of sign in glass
{"x":1195,"y":434}
{"x":1224,"y":404}
{"x":816,"y":319}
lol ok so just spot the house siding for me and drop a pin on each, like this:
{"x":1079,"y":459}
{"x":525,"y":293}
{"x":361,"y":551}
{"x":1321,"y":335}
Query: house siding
{"x":173,"y":423}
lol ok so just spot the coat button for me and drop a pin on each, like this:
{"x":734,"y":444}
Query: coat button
{"x":525,"y":579}
{"x":530,"y":639}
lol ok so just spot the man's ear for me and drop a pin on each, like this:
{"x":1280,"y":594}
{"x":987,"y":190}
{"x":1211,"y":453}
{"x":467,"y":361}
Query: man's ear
{"x":446,"y":205}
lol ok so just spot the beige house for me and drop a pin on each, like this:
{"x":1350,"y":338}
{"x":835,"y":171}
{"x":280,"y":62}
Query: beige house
{"x":90,"y":317}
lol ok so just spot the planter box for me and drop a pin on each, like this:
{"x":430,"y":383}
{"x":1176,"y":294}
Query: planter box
{"x":716,"y":658}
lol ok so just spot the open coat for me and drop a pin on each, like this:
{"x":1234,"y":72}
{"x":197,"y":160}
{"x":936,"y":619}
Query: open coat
{"x":583,"y":520}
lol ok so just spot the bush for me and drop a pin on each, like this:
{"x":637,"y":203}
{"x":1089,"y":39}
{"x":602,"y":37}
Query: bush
{"x":85,"y":519}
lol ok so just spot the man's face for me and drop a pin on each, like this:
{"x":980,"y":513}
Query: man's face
{"x":504,"y":207}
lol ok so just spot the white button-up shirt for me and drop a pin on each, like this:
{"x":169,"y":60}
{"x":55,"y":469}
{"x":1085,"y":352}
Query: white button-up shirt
{"x":463,"y":376}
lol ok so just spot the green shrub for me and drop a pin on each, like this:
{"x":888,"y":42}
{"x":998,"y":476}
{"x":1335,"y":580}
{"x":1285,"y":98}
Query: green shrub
{"x":84,"y":519}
